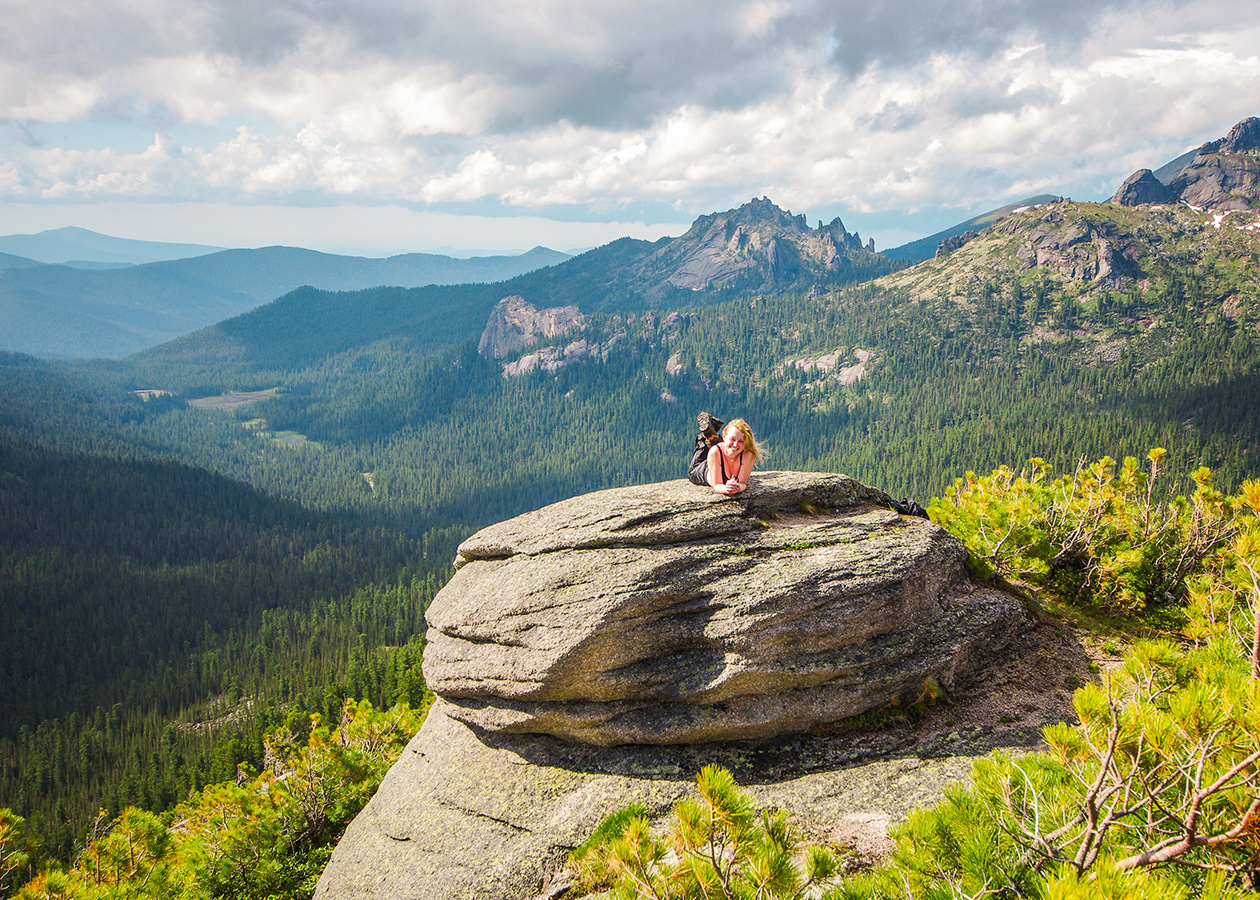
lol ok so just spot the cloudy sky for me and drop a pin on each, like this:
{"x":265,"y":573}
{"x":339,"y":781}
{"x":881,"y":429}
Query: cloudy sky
{"x":382,"y":126}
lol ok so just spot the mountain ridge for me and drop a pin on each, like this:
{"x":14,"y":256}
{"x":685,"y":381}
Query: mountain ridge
{"x":62,"y":311}
{"x":757,"y":239}
{"x":778,"y":253}
{"x":926,"y":247}
{"x":72,"y":243}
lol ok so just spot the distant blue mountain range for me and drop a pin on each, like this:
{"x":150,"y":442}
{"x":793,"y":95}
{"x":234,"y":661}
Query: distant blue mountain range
{"x":70,"y":244}
{"x":98,"y":308}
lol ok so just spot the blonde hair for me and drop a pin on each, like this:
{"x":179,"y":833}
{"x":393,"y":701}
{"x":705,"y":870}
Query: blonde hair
{"x":750,"y":442}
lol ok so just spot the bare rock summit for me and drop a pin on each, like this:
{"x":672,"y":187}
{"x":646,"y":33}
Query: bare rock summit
{"x":1242,"y":138}
{"x":1142,"y":187}
{"x":760,"y":241}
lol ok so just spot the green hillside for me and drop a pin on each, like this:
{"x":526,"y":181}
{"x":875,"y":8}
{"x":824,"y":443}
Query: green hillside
{"x":972,"y":359}
{"x":925,"y":248}
{"x":160,"y":617}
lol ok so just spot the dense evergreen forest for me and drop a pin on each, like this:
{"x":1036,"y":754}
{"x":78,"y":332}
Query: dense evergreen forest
{"x":160,"y":617}
{"x":179,"y":580}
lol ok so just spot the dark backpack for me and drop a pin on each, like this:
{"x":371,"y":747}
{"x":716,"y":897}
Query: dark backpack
{"x":908,"y":507}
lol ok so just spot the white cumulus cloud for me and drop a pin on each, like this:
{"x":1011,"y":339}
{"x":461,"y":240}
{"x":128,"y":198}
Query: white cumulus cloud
{"x":600,"y":106}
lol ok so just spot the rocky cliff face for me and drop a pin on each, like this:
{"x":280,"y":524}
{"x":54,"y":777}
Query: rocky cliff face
{"x":1223,"y":176}
{"x":1220,"y":182}
{"x":603,"y":649}
{"x":515,"y":323}
{"x":1072,"y":245}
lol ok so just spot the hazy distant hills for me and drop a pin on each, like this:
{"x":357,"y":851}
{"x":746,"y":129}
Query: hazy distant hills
{"x":60,"y":311}
{"x":10,"y":261}
{"x":1170,"y":170}
{"x":71,"y":245}
{"x":308,"y":325}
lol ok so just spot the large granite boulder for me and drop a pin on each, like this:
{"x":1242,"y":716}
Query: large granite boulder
{"x":604,"y":649}
{"x":667,"y":613}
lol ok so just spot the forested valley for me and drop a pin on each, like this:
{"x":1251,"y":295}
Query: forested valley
{"x":181,"y":582}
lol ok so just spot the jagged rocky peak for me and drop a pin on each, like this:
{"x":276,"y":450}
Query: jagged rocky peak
{"x":1223,"y":176}
{"x":515,"y":323}
{"x":668,"y":614}
{"x":1242,"y":138}
{"x":761,"y":212}
{"x":758,"y":237}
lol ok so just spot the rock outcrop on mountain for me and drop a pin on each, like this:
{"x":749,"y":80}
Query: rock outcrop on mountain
{"x":1242,"y":138}
{"x":1223,"y":176}
{"x":603,"y":649}
{"x":1142,"y":187}
{"x":515,"y":323}
{"x":1074,"y":246}
{"x":1220,"y":182}
{"x":1091,"y":253}
{"x":947,"y":245}
{"x":758,"y":240}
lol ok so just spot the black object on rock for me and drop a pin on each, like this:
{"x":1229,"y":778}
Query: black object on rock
{"x":908,"y":507}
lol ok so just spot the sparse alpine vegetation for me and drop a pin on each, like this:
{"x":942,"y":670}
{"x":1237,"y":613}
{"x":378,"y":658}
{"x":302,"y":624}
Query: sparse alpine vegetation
{"x":1154,"y":793}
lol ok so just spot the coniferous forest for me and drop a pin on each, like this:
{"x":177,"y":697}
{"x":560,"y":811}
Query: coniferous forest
{"x":182,"y":583}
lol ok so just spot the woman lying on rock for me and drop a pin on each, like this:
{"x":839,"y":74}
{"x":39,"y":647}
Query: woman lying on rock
{"x":723,"y":463}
